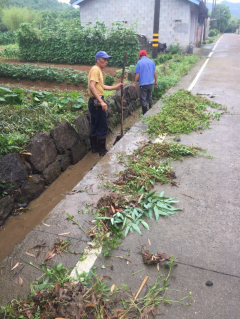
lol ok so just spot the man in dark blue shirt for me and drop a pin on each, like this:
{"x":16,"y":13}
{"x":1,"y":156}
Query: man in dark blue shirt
{"x":146,"y":73}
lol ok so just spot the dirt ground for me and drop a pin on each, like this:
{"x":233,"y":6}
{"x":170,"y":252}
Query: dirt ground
{"x":85,"y":68}
{"x":44,"y":85}
{"x":51,"y":86}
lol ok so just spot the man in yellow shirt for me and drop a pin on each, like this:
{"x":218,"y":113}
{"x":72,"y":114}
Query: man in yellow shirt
{"x":96,"y":104}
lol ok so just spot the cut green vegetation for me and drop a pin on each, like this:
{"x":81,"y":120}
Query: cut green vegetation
{"x":151,"y":164}
{"x":25,"y":112}
{"x":90,"y":297}
{"x":36,"y":72}
{"x":183,"y":113}
{"x":149,"y":206}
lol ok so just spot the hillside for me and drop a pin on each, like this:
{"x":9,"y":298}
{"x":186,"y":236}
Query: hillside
{"x":234,"y":7}
{"x":53,"y":5}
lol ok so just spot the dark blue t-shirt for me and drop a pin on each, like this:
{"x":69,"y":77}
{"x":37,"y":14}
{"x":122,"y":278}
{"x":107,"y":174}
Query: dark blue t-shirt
{"x":146,"y":68}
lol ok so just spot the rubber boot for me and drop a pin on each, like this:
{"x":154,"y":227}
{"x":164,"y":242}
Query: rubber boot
{"x":150,"y":106}
{"x":144,"y":109}
{"x":102,"y":146}
{"x":94,"y":143}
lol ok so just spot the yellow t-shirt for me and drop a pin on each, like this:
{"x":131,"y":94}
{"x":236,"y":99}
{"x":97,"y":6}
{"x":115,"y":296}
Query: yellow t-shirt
{"x":95,"y":75}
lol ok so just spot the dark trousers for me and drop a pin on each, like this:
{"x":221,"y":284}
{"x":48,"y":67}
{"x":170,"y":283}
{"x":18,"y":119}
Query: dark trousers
{"x":146,"y":96}
{"x":99,"y":125}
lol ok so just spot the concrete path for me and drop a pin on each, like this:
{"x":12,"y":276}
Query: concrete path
{"x":204,"y":237}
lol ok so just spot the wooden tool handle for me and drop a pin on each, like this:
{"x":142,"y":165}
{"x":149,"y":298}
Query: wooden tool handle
{"x":122,"y":78}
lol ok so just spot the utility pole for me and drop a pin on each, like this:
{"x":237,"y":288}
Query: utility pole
{"x":156,"y":29}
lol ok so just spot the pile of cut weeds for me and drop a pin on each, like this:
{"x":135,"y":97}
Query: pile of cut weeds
{"x":150,"y":164}
{"x":95,"y":299}
{"x":183,"y":113}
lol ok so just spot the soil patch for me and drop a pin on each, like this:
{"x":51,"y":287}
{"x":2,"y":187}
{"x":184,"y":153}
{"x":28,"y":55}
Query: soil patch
{"x":53,"y":86}
{"x":45,"y":85}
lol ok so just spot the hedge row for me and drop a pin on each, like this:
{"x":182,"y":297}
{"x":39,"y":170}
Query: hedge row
{"x":71,"y":43}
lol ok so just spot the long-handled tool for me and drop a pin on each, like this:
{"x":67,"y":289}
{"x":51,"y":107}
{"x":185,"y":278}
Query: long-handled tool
{"x":122,"y":77}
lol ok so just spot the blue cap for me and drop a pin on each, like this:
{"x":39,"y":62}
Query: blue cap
{"x":102,"y":54}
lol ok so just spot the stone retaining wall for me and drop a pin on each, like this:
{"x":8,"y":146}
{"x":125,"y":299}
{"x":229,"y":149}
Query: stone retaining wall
{"x":24,"y":178}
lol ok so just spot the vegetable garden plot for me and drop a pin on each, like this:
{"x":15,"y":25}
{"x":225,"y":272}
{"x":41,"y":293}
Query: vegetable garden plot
{"x":25,"y":112}
{"x":37,"y":72}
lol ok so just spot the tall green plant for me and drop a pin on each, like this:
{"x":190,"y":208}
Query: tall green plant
{"x":13,"y":17}
{"x":69,"y":42}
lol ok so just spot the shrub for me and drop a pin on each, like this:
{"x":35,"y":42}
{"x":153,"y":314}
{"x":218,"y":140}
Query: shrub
{"x":213,"y":33}
{"x":69,"y":42}
{"x":210,"y":40}
{"x":174,"y":49}
{"x":109,"y":80}
{"x":8,"y":37}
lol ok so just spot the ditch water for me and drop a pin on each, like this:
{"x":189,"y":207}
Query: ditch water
{"x":17,"y":227}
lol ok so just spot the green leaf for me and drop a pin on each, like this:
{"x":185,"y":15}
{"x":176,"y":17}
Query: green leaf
{"x":136,"y":228}
{"x":156,"y":212}
{"x":127,"y":231}
{"x":144,"y":224}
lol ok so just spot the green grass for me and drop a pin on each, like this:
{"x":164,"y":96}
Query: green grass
{"x":170,"y":72}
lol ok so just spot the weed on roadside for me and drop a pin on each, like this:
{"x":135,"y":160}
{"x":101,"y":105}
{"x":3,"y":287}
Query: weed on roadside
{"x":183,"y":113}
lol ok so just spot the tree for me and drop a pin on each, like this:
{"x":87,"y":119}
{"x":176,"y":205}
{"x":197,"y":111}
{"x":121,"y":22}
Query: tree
{"x":41,"y":5}
{"x":222,"y":16}
{"x":3,"y":3}
{"x":13,"y":17}
{"x":233,"y":25}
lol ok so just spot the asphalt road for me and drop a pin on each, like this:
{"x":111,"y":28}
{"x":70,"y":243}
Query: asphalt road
{"x":204,"y":237}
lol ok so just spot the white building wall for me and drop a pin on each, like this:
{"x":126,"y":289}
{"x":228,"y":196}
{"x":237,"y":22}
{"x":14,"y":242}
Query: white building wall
{"x":175,"y":17}
{"x":175,"y":22}
{"x":109,"y":11}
